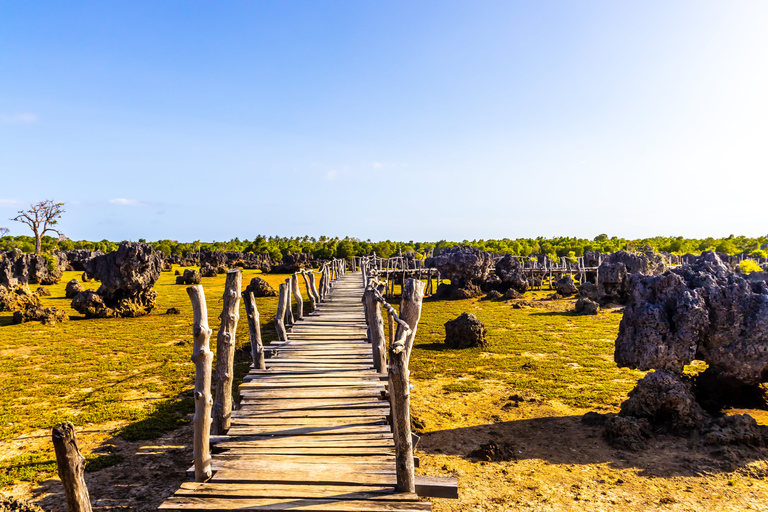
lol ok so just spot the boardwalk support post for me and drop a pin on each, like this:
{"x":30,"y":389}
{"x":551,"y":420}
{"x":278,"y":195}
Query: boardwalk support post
{"x":225,"y":352}
{"x":202,"y":357}
{"x":280,"y":313}
{"x":312,"y":298}
{"x":288,"y":308}
{"x":297,"y":295}
{"x":71,"y":465}
{"x":254,"y":330}
{"x":375,"y":329}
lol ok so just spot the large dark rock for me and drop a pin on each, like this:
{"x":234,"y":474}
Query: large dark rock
{"x":698,"y":311}
{"x":77,"y":258}
{"x":664,"y":397}
{"x":466,"y":267}
{"x":585,"y":306}
{"x":615,"y":269}
{"x":260,"y":288}
{"x":293,"y":263}
{"x":17,"y":268}
{"x":73,"y":288}
{"x":466,"y":331}
{"x":207,"y":270}
{"x":17,"y":298}
{"x":566,"y":287}
{"x":190,"y":276}
{"x":127,"y":276}
{"x":510,"y":272}
{"x":39,"y":313}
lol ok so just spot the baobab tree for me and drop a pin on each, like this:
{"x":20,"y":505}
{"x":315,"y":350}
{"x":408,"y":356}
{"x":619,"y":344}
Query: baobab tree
{"x":42,"y":217}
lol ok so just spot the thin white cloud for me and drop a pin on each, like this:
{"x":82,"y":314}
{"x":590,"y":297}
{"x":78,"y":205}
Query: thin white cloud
{"x":9,"y":203}
{"x":379,"y":165}
{"x":22,"y":118}
{"x":125,"y":202}
{"x":331,"y":175}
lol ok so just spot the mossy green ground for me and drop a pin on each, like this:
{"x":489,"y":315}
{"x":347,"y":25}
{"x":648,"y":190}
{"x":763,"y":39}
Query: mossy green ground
{"x":131,"y":375}
{"x":134,"y":376}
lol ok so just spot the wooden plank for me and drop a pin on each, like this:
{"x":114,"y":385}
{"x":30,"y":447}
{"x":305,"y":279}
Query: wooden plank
{"x":276,"y":430}
{"x":337,"y":413}
{"x":224,"y":490}
{"x":315,"y":421}
{"x":298,"y":504}
{"x":322,"y":450}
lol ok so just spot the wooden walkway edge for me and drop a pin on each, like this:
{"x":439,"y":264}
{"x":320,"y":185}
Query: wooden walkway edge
{"x":311,"y":431}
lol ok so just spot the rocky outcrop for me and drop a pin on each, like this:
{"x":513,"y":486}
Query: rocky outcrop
{"x":585,"y":306}
{"x":17,"y":298}
{"x":566,"y":287}
{"x":17,"y":268}
{"x":207,"y":270}
{"x":615,"y":269}
{"x":73,"y":288}
{"x":189,"y":277}
{"x":127,"y":276}
{"x":698,"y":311}
{"x":39,"y":313}
{"x":77,"y":258}
{"x":293,"y":263}
{"x":260,"y":288}
{"x":466,"y":267}
{"x":510,"y":272}
{"x":702,"y":310}
{"x":466,"y":331}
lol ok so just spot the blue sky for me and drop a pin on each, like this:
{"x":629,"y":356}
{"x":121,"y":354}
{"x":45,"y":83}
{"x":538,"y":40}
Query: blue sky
{"x":402,"y":120}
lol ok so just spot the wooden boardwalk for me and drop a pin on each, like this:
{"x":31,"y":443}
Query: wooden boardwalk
{"x":311,"y":432}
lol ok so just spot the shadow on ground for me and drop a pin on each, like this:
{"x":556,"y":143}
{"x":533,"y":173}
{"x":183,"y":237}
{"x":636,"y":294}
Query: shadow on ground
{"x":567,"y":440}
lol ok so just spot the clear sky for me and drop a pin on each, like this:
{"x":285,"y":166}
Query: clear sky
{"x":420,"y":120}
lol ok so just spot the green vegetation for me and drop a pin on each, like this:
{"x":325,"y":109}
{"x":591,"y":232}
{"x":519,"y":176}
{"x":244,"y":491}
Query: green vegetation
{"x":324,"y":247}
{"x":749,"y":266}
{"x":546,"y":353}
{"x":36,"y":467}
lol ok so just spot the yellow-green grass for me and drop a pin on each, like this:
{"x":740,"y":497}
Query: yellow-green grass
{"x":135,"y":371}
{"x":550,"y":354}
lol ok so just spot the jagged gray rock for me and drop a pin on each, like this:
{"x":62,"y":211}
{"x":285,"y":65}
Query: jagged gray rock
{"x":260,"y":288}
{"x":73,"y":288}
{"x":466,"y":267}
{"x":585,"y":306}
{"x":17,"y":268}
{"x":466,"y":331}
{"x":510,"y":272}
{"x":664,"y":397}
{"x":615,"y":269}
{"x":566,"y":287}
{"x":127,"y":276}
{"x":703,"y":310}
{"x":39,"y":313}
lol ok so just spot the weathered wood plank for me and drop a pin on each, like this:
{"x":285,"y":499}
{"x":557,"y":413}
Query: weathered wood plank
{"x":299,"y":504}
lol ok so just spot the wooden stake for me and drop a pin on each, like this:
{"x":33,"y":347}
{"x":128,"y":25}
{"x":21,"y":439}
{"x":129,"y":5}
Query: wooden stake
{"x":376,"y":329}
{"x":410,"y":312}
{"x":400,"y":394}
{"x":254,"y":330}
{"x":312,"y":300}
{"x":225,"y":352}
{"x":202,"y":357}
{"x":280,"y":313}
{"x":314,"y":288}
{"x":288,"y":306}
{"x":71,"y":465}
{"x":297,"y":295}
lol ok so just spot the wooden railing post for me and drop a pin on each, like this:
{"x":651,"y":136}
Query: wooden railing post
{"x":225,"y":352}
{"x":312,"y":299}
{"x":375,"y":329}
{"x":202,"y":357}
{"x":254,"y":330}
{"x":71,"y":464}
{"x":400,"y":394}
{"x":314,"y":288}
{"x":288,"y":307}
{"x":280,"y":313}
{"x":297,"y":295}
{"x":410,"y":312}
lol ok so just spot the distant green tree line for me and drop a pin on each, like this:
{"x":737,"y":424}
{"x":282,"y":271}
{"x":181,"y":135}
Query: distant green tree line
{"x":325,"y":247}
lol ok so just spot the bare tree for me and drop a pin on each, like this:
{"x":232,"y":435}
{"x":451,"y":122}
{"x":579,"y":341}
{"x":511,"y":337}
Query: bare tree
{"x":41,"y":217}
{"x":4,"y":231}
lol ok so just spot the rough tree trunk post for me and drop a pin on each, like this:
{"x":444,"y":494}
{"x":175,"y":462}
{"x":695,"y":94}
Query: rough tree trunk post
{"x":400,"y":395}
{"x":225,"y":352}
{"x":297,"y":295}
{"x":288,"y":307}
{"x":376,"y":330}
{"x":314,"y":288}
{"x":280,"y":313}
{"x":391,"y":324}
{"x":202,"y":357}
{"x":365,"y":275}
{"x":254,"y":330}
{"x":312,"y":300}
{"x":410,"y":312}
{"x":322,"y":284}
{"x":71,"y":465}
